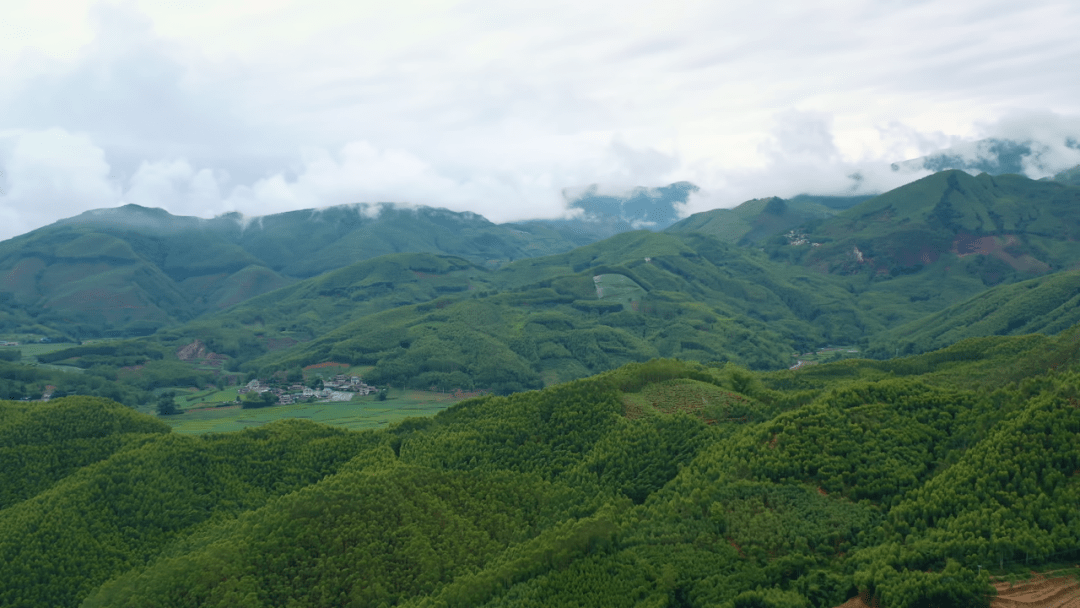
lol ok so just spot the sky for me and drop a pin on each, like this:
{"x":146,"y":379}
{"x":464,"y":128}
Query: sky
{"x":508,"y":109}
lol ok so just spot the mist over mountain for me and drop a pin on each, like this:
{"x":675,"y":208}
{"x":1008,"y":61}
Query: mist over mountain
{"x":996,"y":156}
{"x":598,"y":216}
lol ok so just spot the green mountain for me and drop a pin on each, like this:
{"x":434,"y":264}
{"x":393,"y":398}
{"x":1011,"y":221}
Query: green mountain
{"x":1002,"y":228}
{"x":901,"y":257}
{"x":663,"y":483}
{"x":757,"y":220}
{"x":533,"y":322}
{"x":1045,"y":305}
{"x":993,"y":156}
{"x":425,"y":320}
{"x":132,"y":270}
{"x":729,"y":285}
{"x":1069,"y":177}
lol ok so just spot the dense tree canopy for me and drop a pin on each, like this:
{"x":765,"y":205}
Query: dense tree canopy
{"x":660,"y":483}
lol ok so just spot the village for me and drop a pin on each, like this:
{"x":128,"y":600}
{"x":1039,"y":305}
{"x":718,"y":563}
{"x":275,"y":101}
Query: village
{"x":339,"y":388}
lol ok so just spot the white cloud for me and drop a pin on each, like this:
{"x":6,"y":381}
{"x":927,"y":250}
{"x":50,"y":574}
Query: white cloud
{"x":53,"y":174}
{"x":1055,"y":139}
{"x":498,"y":107}
{"x":175,"y":186}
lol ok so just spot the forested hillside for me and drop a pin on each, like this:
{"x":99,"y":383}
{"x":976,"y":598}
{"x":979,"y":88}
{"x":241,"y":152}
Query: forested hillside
{"x":664,"y":483}
{"x":131,"y":271}
{"x":1008,"y":226}
{"x":632,"y":297}
{"x":1045,"y":305}
{"x":761,"y":219}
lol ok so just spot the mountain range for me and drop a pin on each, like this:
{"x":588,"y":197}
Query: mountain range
{"x":659,"y":429}
{"x":132,"y":270}
{"x":424,"y":295}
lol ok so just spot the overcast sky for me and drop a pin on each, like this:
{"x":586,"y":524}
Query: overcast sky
{"x":502,"y":108}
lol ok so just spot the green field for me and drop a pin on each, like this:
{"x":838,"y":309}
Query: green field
{"x":30,"y":354}
{"x":362,"y":413}
{"x":186,"y":398}
{"x":31,"y":350}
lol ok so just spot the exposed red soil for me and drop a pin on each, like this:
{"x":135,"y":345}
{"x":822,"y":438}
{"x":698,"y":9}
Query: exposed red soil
{"x":1059,"y":592}
{"x":861,"y":601}
{"x":965,"y":244}
{"x":327,"y":364}
{"x":632,"y":410}
{"x":1039,"y":591}
{"x":191,"y":352}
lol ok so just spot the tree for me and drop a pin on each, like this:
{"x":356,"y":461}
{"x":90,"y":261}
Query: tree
{"x":382,"y":395}
{"x":256,"y":400}
{"x":166,"y":404}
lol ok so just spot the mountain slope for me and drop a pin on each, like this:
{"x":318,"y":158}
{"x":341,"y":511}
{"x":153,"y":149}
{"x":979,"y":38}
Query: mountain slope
{"x":1046,"y":305}
{"x":133,"y":270}
{"x":731,"y":488}
{"x":757,"y":220}
{"x":943,"y":239}
{"x":632,"y":297}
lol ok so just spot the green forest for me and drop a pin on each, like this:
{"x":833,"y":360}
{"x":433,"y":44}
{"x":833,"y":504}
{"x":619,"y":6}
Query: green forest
{"x":659,"y":483}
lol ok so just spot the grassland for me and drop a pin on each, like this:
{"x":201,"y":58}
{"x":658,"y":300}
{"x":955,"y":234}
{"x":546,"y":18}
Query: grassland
{"x":359,"y":414}
{"x":30,"y":353}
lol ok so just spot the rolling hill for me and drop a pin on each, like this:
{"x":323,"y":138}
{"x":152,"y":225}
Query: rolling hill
{"x":660,"y":483}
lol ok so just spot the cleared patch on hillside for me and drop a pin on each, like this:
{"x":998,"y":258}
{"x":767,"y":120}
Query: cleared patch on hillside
{"x":1041,"y":590}
{"x":965,"y":244}
{"x":1061,"y":591}
{"x":706,"y":401}
{"x":619,"y":288}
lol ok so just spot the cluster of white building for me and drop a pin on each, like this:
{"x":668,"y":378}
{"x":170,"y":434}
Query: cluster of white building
{"x":338,"y":388}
